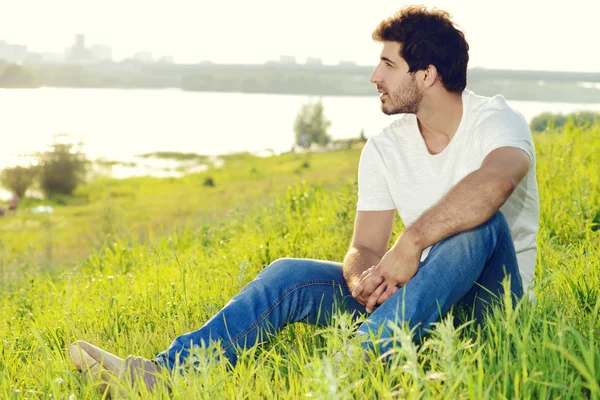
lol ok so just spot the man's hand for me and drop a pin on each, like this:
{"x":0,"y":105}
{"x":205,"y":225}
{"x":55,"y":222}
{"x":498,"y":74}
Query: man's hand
{"x":362,"y":299}
{"x":395,"y":269}
{"x":369,"y":284}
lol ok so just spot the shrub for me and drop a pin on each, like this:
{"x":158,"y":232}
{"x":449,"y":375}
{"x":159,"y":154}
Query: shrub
{"x":544,"y":121}
{"x":61,"y":168}
{"x":18,"y":179}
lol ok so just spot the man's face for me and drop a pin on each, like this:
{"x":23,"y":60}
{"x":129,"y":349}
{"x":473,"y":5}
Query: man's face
{"x":399,"y":90}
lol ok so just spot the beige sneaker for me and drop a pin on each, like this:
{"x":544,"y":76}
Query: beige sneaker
{"x":112,"y":372}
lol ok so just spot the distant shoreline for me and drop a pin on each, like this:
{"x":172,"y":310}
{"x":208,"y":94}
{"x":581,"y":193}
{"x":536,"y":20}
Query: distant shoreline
{"x":294,"y":79}
{"x":544,"y":99}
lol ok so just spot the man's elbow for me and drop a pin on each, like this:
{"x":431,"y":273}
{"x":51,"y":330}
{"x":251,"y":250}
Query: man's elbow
{"x":506,"y":185}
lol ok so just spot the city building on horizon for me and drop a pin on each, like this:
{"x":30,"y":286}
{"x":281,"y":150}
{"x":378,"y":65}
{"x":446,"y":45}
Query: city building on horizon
{"x":15,"y":53}
{"x":346,"y":63}
{"x":143,"y":56}
{"x":314,"y":61}
{"x":287,"y":60}
{"x":101,"y":52}
{"x":166,"y":60}
{"x":79,"y":53}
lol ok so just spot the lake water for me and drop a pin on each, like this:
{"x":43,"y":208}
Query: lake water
{"x":120,"y":123}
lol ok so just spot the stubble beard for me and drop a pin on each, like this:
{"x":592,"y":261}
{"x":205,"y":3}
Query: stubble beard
{"x":403,"y":101}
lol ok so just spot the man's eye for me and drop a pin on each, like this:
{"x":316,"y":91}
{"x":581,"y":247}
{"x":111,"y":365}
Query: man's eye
{"x":388,"y":64}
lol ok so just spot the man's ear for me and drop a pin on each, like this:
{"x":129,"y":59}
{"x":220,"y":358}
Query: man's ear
{"x":430,"y":76}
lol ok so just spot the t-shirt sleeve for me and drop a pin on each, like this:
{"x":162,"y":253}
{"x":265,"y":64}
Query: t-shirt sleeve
{"x":506,"y":128}
{"x":373,"y":191}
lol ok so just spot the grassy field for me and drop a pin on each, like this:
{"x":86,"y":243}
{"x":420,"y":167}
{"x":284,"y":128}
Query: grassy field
{"x":131,"y":264}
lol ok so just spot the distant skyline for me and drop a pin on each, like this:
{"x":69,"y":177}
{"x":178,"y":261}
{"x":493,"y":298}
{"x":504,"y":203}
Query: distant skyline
{"x":512,"y":34}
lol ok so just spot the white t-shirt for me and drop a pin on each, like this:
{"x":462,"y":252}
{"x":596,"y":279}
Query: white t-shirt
{"x":396,"y":171}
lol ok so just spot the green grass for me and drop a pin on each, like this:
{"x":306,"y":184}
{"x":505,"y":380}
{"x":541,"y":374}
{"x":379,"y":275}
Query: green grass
{"x":135,"y":263}
{"x":139,"y":208}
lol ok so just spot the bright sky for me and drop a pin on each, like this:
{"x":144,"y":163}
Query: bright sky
{"x":508,"y":34}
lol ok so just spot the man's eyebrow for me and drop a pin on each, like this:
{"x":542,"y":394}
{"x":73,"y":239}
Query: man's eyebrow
{"x":388,"y":60}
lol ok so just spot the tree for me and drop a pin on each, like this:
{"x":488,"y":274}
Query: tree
{"x":363,"y":138}
{"x":311,"y":125}
{"x":18,"y":179}
{"x":61,"y":168}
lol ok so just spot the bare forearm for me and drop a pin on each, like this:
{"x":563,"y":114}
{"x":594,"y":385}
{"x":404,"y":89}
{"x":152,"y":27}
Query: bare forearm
{"x":358,"y":260}
{"x":467,"y":205}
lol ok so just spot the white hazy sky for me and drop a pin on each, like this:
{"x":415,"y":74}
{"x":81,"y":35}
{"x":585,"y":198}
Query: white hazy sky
{"x":508,"y":34}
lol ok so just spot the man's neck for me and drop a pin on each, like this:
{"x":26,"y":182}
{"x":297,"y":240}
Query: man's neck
{"x":439,"y":118}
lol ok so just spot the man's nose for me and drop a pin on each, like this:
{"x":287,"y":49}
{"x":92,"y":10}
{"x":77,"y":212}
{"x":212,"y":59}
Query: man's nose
{"x":375,"y":78}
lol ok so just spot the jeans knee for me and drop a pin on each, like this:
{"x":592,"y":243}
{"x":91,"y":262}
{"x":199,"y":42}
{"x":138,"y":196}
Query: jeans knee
{"x":496,"y":226}
{"x":276,"y":267}
{"x":281,"y":263}
{"x":290,"y":271}
{"x":286,"y":270}
{"x":488,"y":234}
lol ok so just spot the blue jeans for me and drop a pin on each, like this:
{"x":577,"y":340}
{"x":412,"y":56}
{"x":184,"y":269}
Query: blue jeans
{"x":460,"y":270}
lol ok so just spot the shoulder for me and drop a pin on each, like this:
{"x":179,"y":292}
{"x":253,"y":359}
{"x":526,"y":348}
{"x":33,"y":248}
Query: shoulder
{"x":393,"y":133}
{"x":494,"y":112}
{"x":497,"y":124}
{"x":394,"y":141}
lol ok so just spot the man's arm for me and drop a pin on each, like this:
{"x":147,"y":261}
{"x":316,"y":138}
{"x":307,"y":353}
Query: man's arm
{"x":370,"y":241}
{"x":471,"y":202}
{"x":474,"y":199}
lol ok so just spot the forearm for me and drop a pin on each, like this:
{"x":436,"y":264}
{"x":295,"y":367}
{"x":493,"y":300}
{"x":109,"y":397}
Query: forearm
{"x":356,"y":261}
{"x":470,"y":203}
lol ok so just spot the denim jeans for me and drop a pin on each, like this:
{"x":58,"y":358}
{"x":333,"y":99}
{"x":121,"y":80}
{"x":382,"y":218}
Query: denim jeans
{"x":465,"y":269}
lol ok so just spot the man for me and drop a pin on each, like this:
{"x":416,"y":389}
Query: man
{"x":460,"y":171}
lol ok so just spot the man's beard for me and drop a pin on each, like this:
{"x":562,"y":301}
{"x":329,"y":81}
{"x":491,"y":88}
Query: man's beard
{"x":403,"y":101}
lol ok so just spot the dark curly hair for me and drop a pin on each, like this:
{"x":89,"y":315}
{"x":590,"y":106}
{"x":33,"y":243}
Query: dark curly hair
{"x":428,"y":37}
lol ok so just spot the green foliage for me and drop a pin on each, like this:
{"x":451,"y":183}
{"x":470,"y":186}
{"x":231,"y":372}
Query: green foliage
{"x":311,"y":125}
{"x":16,"y":76}
{"x":61,"y":168}
{"x":170,"y":155}
{"x":18,"y":179}
{"x":549,"y":121}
